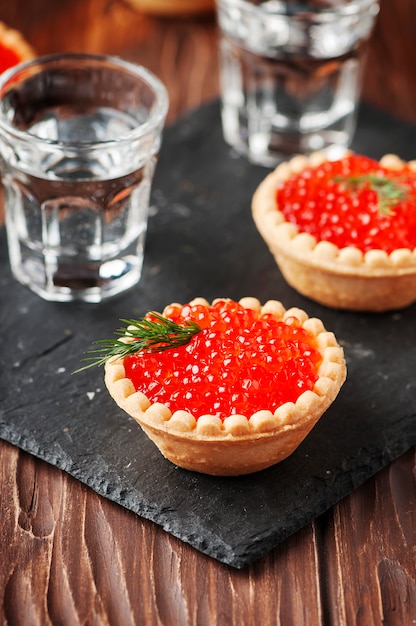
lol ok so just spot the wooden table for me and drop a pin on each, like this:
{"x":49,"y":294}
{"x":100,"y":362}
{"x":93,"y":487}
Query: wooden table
{"x":68,"y":556}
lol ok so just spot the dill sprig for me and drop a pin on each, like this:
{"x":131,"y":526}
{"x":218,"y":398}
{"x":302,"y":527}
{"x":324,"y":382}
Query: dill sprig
{"x":389,"y":192}
{"x":153,"y":333}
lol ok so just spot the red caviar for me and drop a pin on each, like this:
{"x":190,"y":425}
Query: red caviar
{"x":321,"y":202}
{"x":241,"y":362}
{"x":8,"y":58}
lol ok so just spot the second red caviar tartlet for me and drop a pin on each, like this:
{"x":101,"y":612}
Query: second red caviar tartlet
{"x":343,"y":232}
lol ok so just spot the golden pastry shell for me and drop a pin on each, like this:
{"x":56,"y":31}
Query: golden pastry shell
{"x":239,"y":444}
{"x":339,"y":278}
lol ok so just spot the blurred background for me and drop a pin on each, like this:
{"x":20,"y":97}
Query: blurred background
{"x":176,"y":39}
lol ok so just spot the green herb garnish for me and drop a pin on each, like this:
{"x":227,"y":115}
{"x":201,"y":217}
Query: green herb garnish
{"x":389,"y":192}
{"x":155,"y":335}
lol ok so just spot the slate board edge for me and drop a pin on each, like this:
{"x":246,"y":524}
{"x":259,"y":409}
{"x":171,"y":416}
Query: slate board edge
{"x":344,"y":482}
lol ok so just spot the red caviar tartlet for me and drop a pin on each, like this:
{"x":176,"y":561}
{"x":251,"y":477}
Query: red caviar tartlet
{"x":13,"y":48}
{"x":343,"y":232}
{"x":240,"y":395}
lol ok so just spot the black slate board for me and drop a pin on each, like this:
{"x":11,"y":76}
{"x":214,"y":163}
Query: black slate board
{"x":202,"y":242}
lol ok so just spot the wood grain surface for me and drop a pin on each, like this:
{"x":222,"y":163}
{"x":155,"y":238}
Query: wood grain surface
{"x":68,"y":556}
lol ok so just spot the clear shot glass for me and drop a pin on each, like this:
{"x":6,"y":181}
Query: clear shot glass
{"x":291,"y":73}
{"x":79,"y":140}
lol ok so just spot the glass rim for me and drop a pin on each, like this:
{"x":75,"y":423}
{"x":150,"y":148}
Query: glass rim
{"x":156,"y":118}
{"x":351,"y":8}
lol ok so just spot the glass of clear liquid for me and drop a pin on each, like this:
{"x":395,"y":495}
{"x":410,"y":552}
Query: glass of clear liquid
{"x":290,"y":74}
{"x":79,"y":140}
